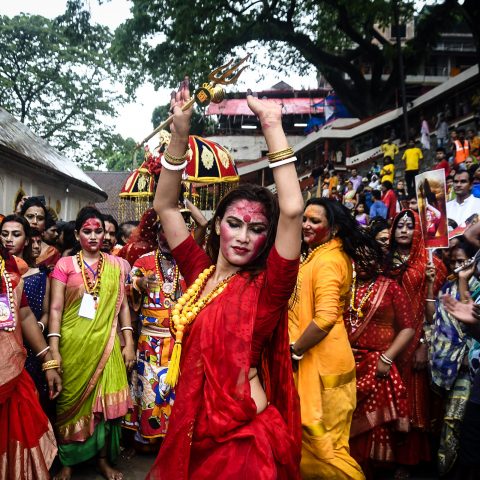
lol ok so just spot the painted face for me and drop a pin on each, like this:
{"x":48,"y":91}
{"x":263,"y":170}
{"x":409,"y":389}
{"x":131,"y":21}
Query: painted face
{"x":382,"y":238}
{"x":457,"y":257}
{"x":91,"y":235}
{"x":315,"y":227}
{"x":36,"y":246}
{"x":109,"y":239}
{"x":404,"y":232}
{"x":13,"y":237}
{"x":36,"y":218}
{"x":243,"y":231}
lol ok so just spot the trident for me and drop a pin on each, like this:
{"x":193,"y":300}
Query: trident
{"x":208,"y":92}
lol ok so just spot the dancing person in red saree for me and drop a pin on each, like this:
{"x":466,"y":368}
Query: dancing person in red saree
{"x":379,"y":326}
{"x":87,"y":302}
{"x":236,"y":412}
{"x":408,"y":265}
{"x":27,"y":443}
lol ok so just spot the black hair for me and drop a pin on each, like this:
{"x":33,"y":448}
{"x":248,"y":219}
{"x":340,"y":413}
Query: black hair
{"x":467,"y":247}
{"x":377,"y":225}
{"x":387,"y":184}
{"x":358,"y":245}
{"x":69,"y":241}
{"x":110,"y":219}
{"x":84,"y":214}
{"x":470,"y":175}
{"x":253,"y":193}
{"x":33,"y":202}
{"x":49,"y":221}
{"x":387,"y":159}
{"x":440,"y":149}
{"x":27,"y":254}
{"x":376,"y":194}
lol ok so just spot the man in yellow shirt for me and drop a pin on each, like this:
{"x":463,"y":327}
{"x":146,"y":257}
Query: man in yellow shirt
{"x":387,"y":173}
{"x":412,"y":157}
{"x":389,"y":149}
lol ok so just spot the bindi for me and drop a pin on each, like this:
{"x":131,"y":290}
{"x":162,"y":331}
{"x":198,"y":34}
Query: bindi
{"x":247,"y":218}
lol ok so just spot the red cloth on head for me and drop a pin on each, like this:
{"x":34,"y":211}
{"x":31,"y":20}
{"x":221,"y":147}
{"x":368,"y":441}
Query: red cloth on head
{"x":143,"y":238}
{"x":214,"y":425}
{"x":411,"y":276}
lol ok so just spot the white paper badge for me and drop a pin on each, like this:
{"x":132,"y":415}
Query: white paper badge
{"x":88,"y":307}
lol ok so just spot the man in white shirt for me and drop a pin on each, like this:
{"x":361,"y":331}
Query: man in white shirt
{"x":465,"y":204}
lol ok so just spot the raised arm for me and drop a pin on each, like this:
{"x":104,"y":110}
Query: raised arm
{"x":288,"y":238}
{"x":165,"y":202}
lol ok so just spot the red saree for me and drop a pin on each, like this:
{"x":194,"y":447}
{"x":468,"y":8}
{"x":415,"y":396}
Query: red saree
{"x":382,"y":407}
{"x":214,"y":429}
{"x":414,"y":447}
{"x":27,"y":443}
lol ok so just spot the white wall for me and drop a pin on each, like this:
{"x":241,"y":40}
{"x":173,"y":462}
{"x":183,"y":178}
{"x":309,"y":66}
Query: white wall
{"x":248,"y":147}
{"x":14,"y":177}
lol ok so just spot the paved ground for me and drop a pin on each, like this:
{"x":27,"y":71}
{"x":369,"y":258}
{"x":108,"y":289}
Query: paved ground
{"x":137,"y":468}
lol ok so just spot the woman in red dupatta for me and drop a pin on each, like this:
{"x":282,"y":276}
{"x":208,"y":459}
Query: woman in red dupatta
{"x":236,"y":412}
{"x":379,"y":325}
{"x":27,"y":443}
{"x":409,"y":260}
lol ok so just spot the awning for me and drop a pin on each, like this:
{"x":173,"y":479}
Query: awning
{"x":291,"y":106}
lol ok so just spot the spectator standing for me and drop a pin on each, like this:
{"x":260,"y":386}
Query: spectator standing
{"x":425,"y":134}
{"x":356,"y":179}
{"x":442,"y":131}
{"x":401,"y":193}
{"x":333,"y":181}
{"x":465,"y":204}
{"x":389,"y":199}
{"x":441,"y":161}
{"x":461,"y":148}
{"x":375,"y":169}
{"x":474,"y":140}
{"x":412,"y":157}
{"x":389,"y":149}
{"x":378,"y":208}
{"x":388,"y":171}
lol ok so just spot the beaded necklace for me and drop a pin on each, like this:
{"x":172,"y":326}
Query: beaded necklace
{"x":91,"y":288}
{"x":356,"y":313}
{"x":9,"y":291}
{"x":314,"y":251}
{"x":187,"y":308}
{"x":169,"y":288}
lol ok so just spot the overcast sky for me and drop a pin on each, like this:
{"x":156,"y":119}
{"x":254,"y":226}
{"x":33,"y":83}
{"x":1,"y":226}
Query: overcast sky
{"x":134,"y":119}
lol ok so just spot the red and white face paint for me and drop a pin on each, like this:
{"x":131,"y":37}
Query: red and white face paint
{"x":91,"y":235}
{"x":243,"y":232}
{"x":315,"y":227}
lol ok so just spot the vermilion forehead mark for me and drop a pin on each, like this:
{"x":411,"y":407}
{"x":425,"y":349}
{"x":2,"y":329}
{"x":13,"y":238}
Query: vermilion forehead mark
{"x":247,"y":218}
{"x":92,"y":223}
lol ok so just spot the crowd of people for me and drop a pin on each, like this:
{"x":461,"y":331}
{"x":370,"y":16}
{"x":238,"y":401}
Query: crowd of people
{"x":276,"y":341}
{"x":381,"y":194}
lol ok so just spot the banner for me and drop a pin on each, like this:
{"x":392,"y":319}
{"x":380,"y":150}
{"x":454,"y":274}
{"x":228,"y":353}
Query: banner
{"x":432,"y":207}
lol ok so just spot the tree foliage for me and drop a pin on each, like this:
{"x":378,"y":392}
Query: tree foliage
{"x":337,"y":37}
{"x":200,"y":124}
{"x":116,"y":153}
{"x":57,"y":77}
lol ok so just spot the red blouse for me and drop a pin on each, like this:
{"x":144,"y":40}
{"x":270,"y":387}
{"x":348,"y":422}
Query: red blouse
{"x":280,"y":280}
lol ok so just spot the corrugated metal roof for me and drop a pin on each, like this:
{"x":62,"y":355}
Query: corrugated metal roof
{"x":291,"y":106}
{"x":19,"y":139}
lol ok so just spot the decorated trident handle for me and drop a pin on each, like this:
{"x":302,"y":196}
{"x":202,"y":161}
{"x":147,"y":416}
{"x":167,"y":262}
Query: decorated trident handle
{"x":208,"y":92}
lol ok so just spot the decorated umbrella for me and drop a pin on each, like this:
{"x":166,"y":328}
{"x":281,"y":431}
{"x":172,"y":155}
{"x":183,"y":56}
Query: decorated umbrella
{"x":210,"y":173}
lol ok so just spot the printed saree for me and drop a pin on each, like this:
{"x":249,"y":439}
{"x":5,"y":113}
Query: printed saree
{"x":95,"y":390}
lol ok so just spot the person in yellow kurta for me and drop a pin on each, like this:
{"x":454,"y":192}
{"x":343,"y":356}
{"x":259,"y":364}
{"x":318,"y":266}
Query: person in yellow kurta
{"x":323,"y":361}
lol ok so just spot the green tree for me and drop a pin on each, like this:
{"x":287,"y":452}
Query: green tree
{"x":340,"y":38}
{"x":116,"y":153}
{"x":57,"y":77}
{"x":200,"y":124}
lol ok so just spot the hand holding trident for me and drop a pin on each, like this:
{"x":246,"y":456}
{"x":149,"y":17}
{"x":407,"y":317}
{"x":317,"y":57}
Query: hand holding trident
{"x":208,"y":92}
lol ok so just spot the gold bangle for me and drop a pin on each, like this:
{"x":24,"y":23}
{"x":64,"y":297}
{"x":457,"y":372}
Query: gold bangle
{"x":49,"y":368}
{"x":50,"y":365}
{"x":280,"y":154}
{"x":174,"y":160}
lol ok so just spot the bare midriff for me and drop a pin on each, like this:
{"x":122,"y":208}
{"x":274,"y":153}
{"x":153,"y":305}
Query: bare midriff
{"x":256,"y":390}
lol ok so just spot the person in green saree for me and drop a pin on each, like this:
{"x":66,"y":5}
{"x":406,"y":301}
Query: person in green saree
{"x":87,"y":302}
